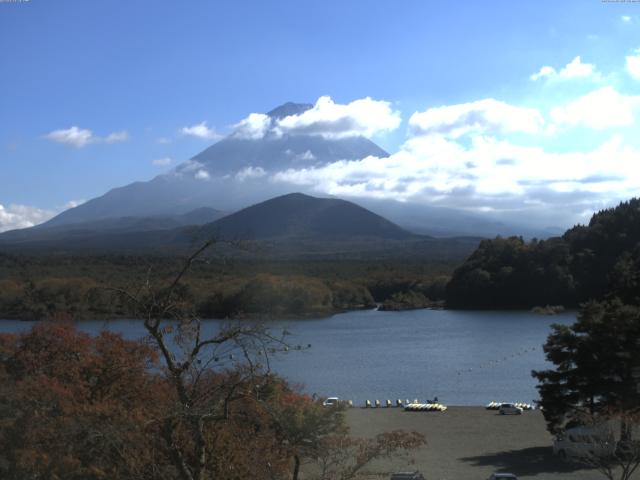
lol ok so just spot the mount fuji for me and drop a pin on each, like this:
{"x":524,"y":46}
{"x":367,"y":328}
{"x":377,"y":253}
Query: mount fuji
{"x":237,"y":172}
{"x":229,"y":175}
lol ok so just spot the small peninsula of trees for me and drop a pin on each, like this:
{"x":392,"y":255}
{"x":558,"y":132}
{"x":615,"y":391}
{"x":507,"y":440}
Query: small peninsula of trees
{"x":585,"y":263}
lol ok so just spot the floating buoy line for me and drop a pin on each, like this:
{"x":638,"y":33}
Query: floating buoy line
{"x":496,"y":362}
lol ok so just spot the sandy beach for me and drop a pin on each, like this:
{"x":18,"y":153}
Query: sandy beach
{"x":471,"y":443}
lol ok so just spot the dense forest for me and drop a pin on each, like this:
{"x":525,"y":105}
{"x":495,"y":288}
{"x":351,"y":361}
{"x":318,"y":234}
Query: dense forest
{"x":587,"y":262}
{"x":39,"y":287}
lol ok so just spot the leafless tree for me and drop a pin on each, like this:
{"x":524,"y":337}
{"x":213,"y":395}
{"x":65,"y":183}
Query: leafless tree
{"x":610,"y":443}
{"x":192,"y":352}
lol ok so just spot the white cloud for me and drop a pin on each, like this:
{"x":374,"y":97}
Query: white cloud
{"x":202,"y":175}
{"x":22,"y":216}
{"x":250,"y":172}
{"x":306,"y":156}
{"x":73,"y":204}
{"x":574,"y":69}
{"x":201,"y":130}
{"x":364,"y":117}
{"x":482,"y":116}
{"x":162,"y":162}
{"x":77,"y":137}
{"x":190,"y":166}
{"x":633,"y":65}
{"x":600,"y":109}
{"x":487,"y":175}
{"x":625,"y":18}
{"x":163,"y":140}
{"x":544,"y":72}
{"x":116,"y":137}
{"x":464,"y":156}
{"x":80,"y":137}
{"x":254,"y":127}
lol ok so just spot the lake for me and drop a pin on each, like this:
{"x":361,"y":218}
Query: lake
{"x":462,"y":357}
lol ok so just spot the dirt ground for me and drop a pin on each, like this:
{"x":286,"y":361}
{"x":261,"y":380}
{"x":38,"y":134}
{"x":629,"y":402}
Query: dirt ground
{"x":471,"y":443}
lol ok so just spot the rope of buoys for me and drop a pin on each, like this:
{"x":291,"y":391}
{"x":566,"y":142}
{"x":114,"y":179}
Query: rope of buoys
{"x":496,"y":362}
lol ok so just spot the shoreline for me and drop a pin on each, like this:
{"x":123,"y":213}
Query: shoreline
{"x":304,"y":316}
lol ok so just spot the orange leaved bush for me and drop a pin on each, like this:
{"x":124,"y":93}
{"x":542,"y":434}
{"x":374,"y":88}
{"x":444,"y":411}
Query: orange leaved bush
{"x":76,"y":406}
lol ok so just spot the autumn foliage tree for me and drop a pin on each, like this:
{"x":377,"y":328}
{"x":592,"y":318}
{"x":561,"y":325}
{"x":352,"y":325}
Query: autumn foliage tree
{"x":74,"y":406}
{"x":82,"y":407}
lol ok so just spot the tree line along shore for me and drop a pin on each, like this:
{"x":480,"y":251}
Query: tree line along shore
{"x":34,"y":288}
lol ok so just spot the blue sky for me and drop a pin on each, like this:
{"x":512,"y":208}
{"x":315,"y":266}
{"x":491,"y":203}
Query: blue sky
{"x":136,"y":74}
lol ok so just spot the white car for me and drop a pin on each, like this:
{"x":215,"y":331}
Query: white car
{"x":585,"y":442}
{"x":509,"y":409}
{"x":331,"y":402}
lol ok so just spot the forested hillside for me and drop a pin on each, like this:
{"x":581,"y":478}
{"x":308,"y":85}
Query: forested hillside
{"x":587,"y":262}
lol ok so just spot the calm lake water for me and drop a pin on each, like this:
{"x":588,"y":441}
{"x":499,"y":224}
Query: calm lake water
{"x":462,"y":357}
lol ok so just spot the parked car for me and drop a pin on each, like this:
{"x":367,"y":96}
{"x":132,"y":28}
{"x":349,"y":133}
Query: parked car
{"x":331,"y":402}
{"x":503,"y":476}
{"x":407,"y":476}
{"x":585,"y":442}
{"x":509,"y":409}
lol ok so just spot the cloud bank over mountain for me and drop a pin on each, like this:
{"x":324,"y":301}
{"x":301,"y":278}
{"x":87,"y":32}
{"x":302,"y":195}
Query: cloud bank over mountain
{"x":558,"y":163}
{"x":361,"y":118}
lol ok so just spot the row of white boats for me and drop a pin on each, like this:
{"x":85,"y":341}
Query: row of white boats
{"x":496,"y":405}
{"x":414,"y":406}
{"x":429,"y":406}
{"x":425,"y":407}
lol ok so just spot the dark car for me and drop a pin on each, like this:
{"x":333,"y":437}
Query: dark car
{"x":407,"y":476}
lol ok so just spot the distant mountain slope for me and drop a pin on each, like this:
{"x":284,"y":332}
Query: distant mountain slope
{"x":294,"y":226}
{"x":303,"y":216}
{"x":109,"y":227}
